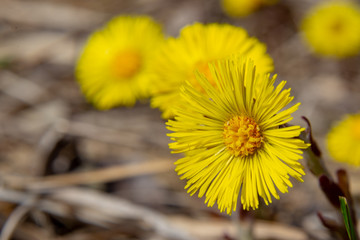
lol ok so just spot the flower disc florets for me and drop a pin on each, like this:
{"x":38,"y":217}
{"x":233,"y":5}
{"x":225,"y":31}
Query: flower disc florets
{"x":126,"y":64}
{"x":242,"y":136}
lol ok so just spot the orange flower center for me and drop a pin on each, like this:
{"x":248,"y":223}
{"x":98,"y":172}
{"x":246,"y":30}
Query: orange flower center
{"x":126,"y":64}
{"x":337,"y":27}
{"x":202,"y":67}
{"x":242,"y":136}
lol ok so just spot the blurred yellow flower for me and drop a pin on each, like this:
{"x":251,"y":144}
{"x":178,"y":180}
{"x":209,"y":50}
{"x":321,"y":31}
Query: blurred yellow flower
{"x":114,"y":68}
{"x":243,"y":8}
{"x":233,"y":136}
{"x":343,"y":140}
{"x":197,"y":45}
{"x":333,"y":29}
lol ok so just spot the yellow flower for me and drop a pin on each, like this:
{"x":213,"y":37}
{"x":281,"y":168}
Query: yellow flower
{"x":343,"y":140}
{"x":243,"y":8}
{"x":197,"y":45}
{"x":333,"y":29}
{"x":114,"y":68}
{"x":234,"y":139}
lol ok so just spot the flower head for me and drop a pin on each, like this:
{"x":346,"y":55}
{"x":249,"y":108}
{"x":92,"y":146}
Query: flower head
{"x":233,"y":136}
{"x":333,"y":29}
{"x":197,"y":45}
{"x":115,"y":66}
{"x":343,"y":140}
{"x":243,"y":8}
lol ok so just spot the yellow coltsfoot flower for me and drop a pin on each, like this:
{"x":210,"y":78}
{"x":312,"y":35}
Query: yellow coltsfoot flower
{"x":333,"y":29}
{"x":234,"y":138}
{"x":197,"y":45}
{"x":343,"y":140}
{"x":114,"y":68}
{"x":243,"y":8}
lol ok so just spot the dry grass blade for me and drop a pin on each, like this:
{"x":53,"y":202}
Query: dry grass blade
{"x":108,"y":174}
{"x":16,"y":217}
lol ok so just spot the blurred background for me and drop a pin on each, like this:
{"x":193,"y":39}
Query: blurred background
{"x":69,"y":171}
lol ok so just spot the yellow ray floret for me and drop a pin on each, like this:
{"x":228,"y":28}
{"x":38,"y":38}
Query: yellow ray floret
{"x":233,"y":136}
{"x":197,"y":45}
{"x":343,"y":140}
{"x":333,"y":29}
{"x":115,"y":67}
